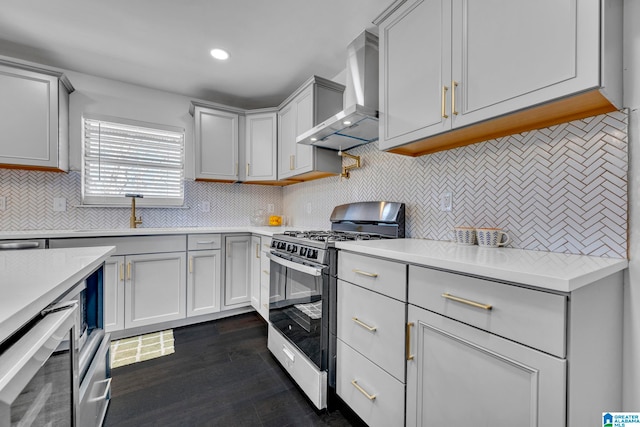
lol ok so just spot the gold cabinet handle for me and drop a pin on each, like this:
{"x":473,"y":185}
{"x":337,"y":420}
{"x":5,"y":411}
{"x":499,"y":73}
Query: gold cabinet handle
{"x":129,"y":270}
{"x":236,"y":168}
{"x":408,"y":341}
{"x":122,"y":272}
{"x":364,"y":325}
{"x":454,"y":85}
{"x":247,"y":169}
{"x":257,"y":250}
{"x":265,"y":272}
{"x":229,"y":250}
{"x":365,"y":273}
{"x":361,"y":390}
{"x":266,"y":306}
{"x":292,"y":162}
{"x":190,"y":264}
{"x":444,"y":102}
{"x":467,"y":301}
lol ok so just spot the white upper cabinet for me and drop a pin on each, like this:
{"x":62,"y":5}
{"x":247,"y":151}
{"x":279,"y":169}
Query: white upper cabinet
{"x":316,"y":100}
{"x":34,"y":118}
{"x":448,"y":64}
{"x":216,"y":144}
{"x":261,"y":146}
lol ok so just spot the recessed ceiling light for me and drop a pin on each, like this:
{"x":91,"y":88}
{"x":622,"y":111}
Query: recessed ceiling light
{"x":314,"y":139}
{"x":220,"y":54}
{"x":346,"y":123}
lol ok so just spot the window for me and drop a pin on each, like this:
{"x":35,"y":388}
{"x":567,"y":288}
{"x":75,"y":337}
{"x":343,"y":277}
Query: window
{"x":122,"y":156}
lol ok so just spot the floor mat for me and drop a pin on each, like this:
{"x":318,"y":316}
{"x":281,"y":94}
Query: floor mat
{"x":143,"y":347}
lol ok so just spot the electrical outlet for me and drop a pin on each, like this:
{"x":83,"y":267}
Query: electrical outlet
{"x":308,"y":207}
{"x":270,"y":208}
{"x":446,"y":201}
{"x":59,"y":204}
{"x":3,"y":203}
{"x":205,"y":207}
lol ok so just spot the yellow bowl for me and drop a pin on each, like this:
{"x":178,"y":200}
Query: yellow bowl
{"x":275,"y":220}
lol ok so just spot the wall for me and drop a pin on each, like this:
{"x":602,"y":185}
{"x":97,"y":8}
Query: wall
{"x":561,"y":189}
{"x":631,"y":362}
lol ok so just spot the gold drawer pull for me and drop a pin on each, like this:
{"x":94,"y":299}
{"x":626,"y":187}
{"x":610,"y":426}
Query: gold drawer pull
{"x":361,"y":390}
{"x":468,"y":302}
{"x":408,"y":341}
{"x":190,"y":264}
{"x":364,"y":325}
{"x":365,"y":273}
{"x":265,"y":272}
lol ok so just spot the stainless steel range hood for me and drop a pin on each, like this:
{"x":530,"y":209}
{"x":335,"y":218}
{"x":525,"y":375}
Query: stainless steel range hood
{"x":357,"y":124}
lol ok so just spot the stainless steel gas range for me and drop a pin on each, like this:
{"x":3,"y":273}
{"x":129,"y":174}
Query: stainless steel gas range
{"x":302,"y":301}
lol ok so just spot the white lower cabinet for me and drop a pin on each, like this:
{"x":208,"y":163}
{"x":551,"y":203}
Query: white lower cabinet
{"x":265,"y":277}
{"x":203,"y":282}
{"x":155,"y":288}
{"x":237,"y":280}
{"x":457,"y":373}
{"x":256,"y":254}
{"x":113,"y":291}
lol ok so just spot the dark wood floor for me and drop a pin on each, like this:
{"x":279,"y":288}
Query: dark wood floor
{"x":222,"y":374}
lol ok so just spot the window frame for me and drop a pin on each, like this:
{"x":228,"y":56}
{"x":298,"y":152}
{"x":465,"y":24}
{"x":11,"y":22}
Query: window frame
{"x":117,"y":201}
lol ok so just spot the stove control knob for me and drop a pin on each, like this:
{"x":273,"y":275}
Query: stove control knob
{"x":282,"y":245}
{"x":274,"y":244}
{"x":313,"y":253}
{"x":303,"y":251}
{"x":293,"y":249}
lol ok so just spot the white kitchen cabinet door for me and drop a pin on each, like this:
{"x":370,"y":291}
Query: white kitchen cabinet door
{"x":216,"y":145}
{"x":237,"y":285}
{"x":256,"y":255}
{"x":203,"y":282}
{"x":512,"y":55}
{"x":457,"y":373}
{"x":415,"y":63}
{"x":294,"y":157}
{"x":33,"y":119}
{"x":113,"y":293}
{"x":261,"y":147}
{"x":155,"y":288}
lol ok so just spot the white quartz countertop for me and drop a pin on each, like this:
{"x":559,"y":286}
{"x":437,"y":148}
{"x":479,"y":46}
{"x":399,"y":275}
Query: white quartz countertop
{"x":547,"y":270}
{"x":30,"y":280}
{"x":51,"y":234}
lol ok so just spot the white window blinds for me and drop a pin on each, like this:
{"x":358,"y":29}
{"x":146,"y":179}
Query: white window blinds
{"x":128,"y":157}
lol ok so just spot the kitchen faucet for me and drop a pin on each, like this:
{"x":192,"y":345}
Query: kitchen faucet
{"x":133,"y":221}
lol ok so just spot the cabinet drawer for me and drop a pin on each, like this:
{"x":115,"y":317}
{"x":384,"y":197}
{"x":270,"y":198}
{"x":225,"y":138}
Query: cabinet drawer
{"x":360,"y":311}
{"x":203,"y":241}
{"x":531,"y":317}
{"x":387,"y":277}
{"x":384,"y":405}
{"x":127,"y":245}
{"x":312,"y":381}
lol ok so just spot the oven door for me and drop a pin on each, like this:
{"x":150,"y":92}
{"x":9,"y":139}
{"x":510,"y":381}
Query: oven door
{"x":298,"y":306}
{"x":39,"y":372}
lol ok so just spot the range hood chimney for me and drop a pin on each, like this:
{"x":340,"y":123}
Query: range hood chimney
{"x":357,"y":124}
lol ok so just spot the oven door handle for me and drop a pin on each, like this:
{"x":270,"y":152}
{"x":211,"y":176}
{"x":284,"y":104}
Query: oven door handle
{"x":313,"y":271}
{"x":20,"y":362}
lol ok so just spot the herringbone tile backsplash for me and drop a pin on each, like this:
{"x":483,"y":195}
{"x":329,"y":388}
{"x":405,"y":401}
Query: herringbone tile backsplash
{"x":29,"y":198}
{"x":560,"y":189}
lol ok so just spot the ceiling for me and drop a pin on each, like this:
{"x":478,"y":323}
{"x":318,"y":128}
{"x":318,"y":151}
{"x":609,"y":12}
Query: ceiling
{"x":164,"y":44}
